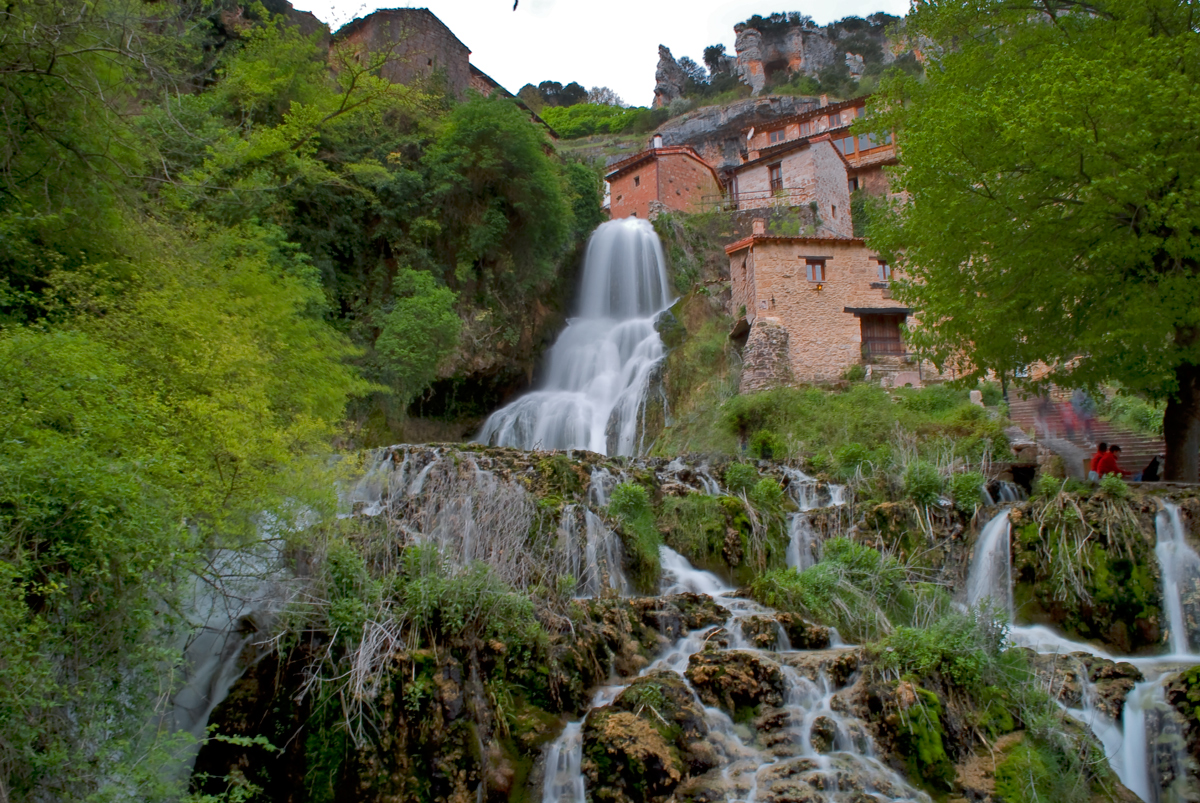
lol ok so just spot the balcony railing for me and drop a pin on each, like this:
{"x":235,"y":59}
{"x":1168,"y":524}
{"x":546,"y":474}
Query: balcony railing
{"x":759,"y":199}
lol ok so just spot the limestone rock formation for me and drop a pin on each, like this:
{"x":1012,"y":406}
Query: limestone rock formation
{"x":716,"y":132}
{"x":738,"y":682}
{"x":668,"y":79}
{"x":792,"y":49}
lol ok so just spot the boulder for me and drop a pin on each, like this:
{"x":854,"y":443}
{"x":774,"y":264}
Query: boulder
{"x":739,"y":682}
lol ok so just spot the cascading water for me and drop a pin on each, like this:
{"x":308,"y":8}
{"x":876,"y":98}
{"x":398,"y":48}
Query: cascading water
{"x":1147,"y":749}
{"x":818,"y":747}
{"x":1180,"y":568}
{"x":802,"y":546}
{"x":599,"y":370}
{"x":991,"y":566}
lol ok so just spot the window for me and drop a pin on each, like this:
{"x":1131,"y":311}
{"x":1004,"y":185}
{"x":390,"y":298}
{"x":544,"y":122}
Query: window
{"x":834,"y":211}
{"x":776,"y":171}
{"x":860,"y":111}
{"x":816,"y":269}
{"x":845,"y":145}
{"x":637,"y":181}
{"x":835,"y":120}
{"x":885,"y":271}
{"x":866,"y":142}
{"x":805,"y":129}
{"x":852,"y":184}
{"x":778,"y":135}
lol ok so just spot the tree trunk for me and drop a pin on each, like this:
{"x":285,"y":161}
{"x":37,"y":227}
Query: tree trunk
{"x":1181,"y":428}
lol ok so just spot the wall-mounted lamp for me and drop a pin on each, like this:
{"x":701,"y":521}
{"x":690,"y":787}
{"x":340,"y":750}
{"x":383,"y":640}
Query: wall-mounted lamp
{"x":819,"y":287}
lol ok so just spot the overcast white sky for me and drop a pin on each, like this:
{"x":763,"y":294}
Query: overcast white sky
{"x":611,"y":43}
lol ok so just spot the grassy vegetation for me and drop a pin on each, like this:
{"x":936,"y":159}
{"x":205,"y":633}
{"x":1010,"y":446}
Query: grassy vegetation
{"x":630,"y":506}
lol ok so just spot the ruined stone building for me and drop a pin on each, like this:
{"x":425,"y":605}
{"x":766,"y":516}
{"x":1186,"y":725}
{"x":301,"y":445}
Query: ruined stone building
{"x":423,"y":49}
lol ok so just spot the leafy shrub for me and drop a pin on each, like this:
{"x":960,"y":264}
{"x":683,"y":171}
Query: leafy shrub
{"x":766,"y":445}
{"x":1046,"y":486}
{"x":922,"y":482}
{"x":740,"y":477}
{"x":966,"y":651}
{"x":933,"y":398}
{"x":992,"y":394}
{"x":855,"y":373}
{"x":586,"y":119}
{"x":767,"y":496}
{"x":967,"y":490}
{"x":630,"y":505}
{"x":1114,"y":487}
{"x":1134,"y":412}
{"x":854,"y":588}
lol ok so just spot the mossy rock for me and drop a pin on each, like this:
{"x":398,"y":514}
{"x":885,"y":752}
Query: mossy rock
{"x":736,"y":681}
{"x":915,"y":717}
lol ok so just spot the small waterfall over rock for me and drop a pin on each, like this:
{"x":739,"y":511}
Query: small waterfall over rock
{"x":991,"y":566}
{"x":812,"y":748}
{"x":1180,"y":567}
{"x":598,"y":372}
{"x":803,"y":547}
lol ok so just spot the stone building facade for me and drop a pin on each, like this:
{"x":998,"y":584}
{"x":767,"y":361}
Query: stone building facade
{"x":830,"y":294}
{"x":420,"y":42}
{"x":674,"y":176}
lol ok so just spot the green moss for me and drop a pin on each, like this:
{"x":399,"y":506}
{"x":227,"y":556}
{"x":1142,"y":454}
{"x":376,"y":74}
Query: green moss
{"x":694,"y":525}
{"x":630,"y":506}
{"x":919,"y":735}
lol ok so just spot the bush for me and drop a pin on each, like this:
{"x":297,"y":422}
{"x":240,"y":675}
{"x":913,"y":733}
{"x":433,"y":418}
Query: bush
{"x":992,"y":394}
{"x":965,"y":651}
{"x":1134,"y":412}
{"x":740,"y":477}
{"x":1114,"y":487}
{"x":967,"y":490}
{"x":766,"y":445}
{"x":854,"y":588}
{"x":922,"y":482}
{"x":767,"y":497}
{"x":855,"y":373}
{"x":630,"y":506}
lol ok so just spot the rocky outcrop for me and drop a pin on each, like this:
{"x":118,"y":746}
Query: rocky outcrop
{"x":1071,"y":678}
{"x":668,"y":79}
{"x":739,"y":682}
{"x":717,"y":133}
{"x":642,"y":745}
{"x":790,"y":49}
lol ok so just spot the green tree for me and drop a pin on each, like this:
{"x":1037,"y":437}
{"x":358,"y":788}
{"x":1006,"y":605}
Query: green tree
{"x":1052,"y":166}
{"x":499,"y":198}
{"x":416,"y":334}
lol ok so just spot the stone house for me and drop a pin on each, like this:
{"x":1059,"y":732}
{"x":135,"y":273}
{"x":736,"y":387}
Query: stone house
{"x":810,"y":307}
{"x":674,"y":176}
{"x":810,"y":159}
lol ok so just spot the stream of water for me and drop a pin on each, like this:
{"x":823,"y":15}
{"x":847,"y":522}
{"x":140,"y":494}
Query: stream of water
{"x":1145,"y":748}
{"x":818,"y":745}
{"x":597,"y":374}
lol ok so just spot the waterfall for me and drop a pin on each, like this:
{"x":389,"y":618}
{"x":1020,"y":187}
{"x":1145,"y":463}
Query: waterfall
{"x":991,"y":566}
{"x":604,"y":559}
{"x":1180,"y":568}
{"x":802,"y":542}
{"x":820,"y":742}
{"x":599,"y":370}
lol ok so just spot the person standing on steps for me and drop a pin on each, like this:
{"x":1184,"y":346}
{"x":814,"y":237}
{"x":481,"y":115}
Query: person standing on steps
{"x":1107,"y":464}
{"x":1093,"y":470}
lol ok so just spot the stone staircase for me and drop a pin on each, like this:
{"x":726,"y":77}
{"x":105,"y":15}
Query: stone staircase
{"x":1136,"y":450}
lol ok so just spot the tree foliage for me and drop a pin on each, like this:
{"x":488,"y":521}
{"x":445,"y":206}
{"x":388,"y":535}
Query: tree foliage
{"x":1051,"y":166}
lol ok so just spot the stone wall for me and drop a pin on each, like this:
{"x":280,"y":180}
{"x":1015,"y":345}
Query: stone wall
{"x":766,"y":361}
{"x":421,"y":44}
{"x":631,"y":192}
{"x":769,"y":277}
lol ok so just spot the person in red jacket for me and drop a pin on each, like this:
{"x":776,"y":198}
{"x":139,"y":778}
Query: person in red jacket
{"x":1107,"y":464}
{"x":1101,"y":450}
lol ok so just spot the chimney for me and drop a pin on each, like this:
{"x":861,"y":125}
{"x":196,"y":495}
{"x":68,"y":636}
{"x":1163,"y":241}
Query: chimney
{"x":657,"y":141}
{"x":824,"y":101}
{"x":759,"y":226}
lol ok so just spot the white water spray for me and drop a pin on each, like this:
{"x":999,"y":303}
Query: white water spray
{"x":598,"y":371}
{"x":991,"y":566}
